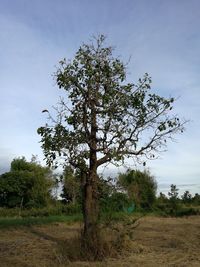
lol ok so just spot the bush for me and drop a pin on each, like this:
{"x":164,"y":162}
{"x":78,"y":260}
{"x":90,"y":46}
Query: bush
{"x":70,"y":209}
{"x":116,"y":202}
{"x":187,"y":211}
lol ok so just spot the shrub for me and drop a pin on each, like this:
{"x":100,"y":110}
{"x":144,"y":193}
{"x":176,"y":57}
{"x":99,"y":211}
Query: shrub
{"x":116,"y":202}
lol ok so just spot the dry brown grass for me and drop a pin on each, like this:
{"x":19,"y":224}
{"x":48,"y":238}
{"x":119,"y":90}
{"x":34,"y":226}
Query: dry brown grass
{"x":155,"y":242}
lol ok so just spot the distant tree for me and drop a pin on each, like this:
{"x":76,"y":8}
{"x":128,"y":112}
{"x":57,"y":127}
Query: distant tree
{"x":162,"y":198}
{"x":162,"y":202}
{"x":71,"y":186}
{"x":196,"y":199}
{"x":173,"y":198}
{"x":140,"y":186}
{"x":28,"y":184}
{"x":104,"y":119}
{"x":186,"y":197}
{"x":106,"y":190}
{"x":173,"y":194}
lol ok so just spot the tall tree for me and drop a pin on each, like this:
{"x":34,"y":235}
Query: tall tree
{"x":103,"y":119}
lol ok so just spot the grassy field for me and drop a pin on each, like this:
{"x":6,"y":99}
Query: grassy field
{"x":6,"y":222}
{"x":155,"y":242}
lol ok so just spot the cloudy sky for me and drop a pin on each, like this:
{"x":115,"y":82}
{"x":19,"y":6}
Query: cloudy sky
{"x":162,"y":38}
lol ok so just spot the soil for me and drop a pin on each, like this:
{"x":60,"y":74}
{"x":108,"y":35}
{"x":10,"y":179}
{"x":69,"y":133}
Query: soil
{"x":155,"y":242}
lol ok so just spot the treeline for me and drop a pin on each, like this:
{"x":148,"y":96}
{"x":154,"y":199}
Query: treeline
{"x":133,"y":191}
{"x":172,"y":204}
{"x":28,"y":189}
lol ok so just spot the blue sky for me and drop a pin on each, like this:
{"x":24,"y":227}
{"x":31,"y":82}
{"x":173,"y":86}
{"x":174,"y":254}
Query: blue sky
{"x":162,"y":38}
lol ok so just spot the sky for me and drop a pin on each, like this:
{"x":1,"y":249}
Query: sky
{"x":161,"y":37}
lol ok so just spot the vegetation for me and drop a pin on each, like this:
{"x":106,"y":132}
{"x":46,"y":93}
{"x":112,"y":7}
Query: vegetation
{"x":140,"y":187}
{"x":27,"y":185}
{"x":131,"y":192}
{"x":27,"y":221}
{"x":175,"y":206}
{"x":71,"y":192}
{"x":107,"y":120}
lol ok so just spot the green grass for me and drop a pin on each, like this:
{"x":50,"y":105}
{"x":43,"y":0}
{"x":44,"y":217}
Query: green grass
{"x":6,"y":222}
{"x":10,"y":221}
{"x":16,"y":222}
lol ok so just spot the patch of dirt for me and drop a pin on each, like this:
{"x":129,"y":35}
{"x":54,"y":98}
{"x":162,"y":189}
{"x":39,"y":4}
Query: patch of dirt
{"x":155,"y":242}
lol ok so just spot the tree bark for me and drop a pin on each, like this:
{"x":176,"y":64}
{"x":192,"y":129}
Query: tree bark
{"x":91,"y":238}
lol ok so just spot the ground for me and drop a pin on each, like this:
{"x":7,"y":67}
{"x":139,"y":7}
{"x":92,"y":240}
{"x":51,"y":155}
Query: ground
{"x":155,"y":242}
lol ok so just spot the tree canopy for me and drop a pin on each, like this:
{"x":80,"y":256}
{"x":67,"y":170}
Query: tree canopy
{"x":28,"y":184}
{"x":103,"y":113}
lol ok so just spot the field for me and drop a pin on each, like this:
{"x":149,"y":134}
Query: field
{"x":155,"y":242}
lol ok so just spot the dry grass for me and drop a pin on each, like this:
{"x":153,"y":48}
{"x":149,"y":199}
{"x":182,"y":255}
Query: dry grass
{"x":155,"y":242}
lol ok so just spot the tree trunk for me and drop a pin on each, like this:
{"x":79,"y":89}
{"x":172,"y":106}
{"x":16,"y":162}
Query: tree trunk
{"x":91,"y":239}
{"x":91,"y":204}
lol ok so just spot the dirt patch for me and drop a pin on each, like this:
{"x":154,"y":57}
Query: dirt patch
{"x":155,"y":242}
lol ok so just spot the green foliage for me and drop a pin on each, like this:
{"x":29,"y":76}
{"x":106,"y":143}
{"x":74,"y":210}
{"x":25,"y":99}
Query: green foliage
{"x":173,"y":199}
{"x":173,"y":194}
{"x":51,"y":210}
{"x":196,"y":199}
{"x":186,"y":211}
{"x":103,"y":114}
{"x":175,"y":206}
{"x":115,"y":203}
{"x":162,"y":203}
{"x":140,"y":186}
{"x":28,"y":184}
{"x":162,"y":198}
{"x":187,"y":197}
{"x":71,"y":209}
{"x":71,"y":186}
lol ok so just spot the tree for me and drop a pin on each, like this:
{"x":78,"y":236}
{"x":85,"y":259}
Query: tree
{"x":173,"y":198}
{"x":71,"y":185}
{"x":186,"y":197}
{"x":162,"y":197}
{"x":173,"y":194}
{"x":196,"y":199}
{"x":102,"y":120}
{"x":28,"y":184}
{"x":140,"y":186}
{"x":107,"y":194}
{"x":162,"y":202}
